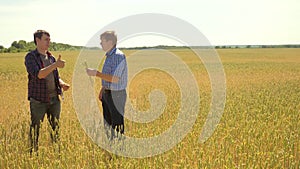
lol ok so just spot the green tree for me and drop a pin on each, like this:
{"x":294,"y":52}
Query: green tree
{"x":15,"y":44}
{"x":22,"y":44}
{"x":12,"y":49}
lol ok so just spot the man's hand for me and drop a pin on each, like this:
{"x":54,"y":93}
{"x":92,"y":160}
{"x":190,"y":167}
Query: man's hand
{"x":44,"y":72}
{"x":100,"y":94}
{"x":91,"y":72}
{"x":60,"y":63}
{"x":65,"y":86}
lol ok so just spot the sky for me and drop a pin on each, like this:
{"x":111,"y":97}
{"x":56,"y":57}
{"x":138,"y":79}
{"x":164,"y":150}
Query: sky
{"x":222,"y":22}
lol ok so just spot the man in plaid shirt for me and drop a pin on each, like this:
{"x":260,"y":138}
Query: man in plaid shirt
{"x":44,"y":86}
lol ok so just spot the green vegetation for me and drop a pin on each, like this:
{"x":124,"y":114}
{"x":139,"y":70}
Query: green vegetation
{"x":23,"y":46}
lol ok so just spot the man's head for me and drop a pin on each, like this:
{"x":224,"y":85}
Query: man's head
{"x":42,"y":39}
{"x":108,"y":40}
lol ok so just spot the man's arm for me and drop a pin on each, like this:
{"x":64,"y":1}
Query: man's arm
{"x":109,"y":78}
{"x":106,"y":77}
{"x":119,"y":65}
{"x":44,"y":72}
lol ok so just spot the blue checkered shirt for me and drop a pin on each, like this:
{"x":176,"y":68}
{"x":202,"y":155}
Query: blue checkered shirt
{"x":115,"y":65}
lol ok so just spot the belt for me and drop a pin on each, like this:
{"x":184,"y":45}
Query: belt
{"x":109,"y":90}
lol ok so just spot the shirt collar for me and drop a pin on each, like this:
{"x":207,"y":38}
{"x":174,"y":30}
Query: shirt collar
{"x":38,"y":54}
{"x":111,"y":52}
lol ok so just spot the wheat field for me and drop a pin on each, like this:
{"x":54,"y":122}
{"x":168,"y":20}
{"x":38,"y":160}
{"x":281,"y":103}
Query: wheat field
{"x":259,"y":127}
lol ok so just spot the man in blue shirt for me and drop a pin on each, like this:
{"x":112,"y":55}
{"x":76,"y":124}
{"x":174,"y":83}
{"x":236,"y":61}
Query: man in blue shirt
{"x":114,"y":82}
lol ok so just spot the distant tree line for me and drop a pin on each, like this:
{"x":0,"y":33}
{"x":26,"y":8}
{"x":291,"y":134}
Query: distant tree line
{"x":216,"y":47}
{"x":257,"y":46}
{"x":23,"y":46}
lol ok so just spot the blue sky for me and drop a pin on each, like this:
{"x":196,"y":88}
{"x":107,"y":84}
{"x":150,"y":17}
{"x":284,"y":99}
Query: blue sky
{"x":230,"y":22}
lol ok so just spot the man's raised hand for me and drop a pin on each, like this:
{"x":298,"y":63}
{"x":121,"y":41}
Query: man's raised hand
{"x":60,"y":63}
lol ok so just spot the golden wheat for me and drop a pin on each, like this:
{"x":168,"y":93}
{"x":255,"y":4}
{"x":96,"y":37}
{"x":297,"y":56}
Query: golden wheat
{"x":259,"y":127}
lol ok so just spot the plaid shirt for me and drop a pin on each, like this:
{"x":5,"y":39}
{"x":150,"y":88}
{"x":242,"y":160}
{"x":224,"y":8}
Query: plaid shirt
{"x":115,"y":65}
{"x":37,"y":88}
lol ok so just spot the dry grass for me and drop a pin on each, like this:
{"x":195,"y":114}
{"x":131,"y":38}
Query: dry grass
{"x":259,"y":127}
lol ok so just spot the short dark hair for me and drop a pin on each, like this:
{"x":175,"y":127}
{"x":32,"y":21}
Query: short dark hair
{"x":109,"y":35}
{"x":39,"y":34}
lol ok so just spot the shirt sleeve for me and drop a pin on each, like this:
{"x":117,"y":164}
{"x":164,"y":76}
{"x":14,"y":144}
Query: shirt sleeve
{"x":32,"y":66}
{"x":119,"y":66}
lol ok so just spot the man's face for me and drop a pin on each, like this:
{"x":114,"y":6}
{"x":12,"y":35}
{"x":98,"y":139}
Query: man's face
{"x":44,"y":42}
{"x":106,"y":44}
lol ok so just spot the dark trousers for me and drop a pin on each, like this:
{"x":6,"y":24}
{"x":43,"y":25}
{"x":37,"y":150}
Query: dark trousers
{"x":113,"y":104}
{"x":37,"y":112}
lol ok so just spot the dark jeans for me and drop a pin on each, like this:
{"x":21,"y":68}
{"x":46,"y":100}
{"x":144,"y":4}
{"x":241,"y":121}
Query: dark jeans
{"x":113,"y":104}
{"x":37,"y":112}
